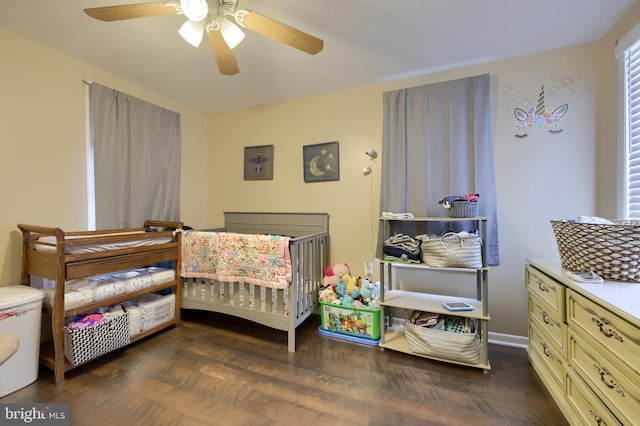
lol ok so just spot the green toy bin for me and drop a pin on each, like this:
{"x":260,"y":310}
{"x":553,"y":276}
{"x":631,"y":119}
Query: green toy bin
{"x":360,"y":322}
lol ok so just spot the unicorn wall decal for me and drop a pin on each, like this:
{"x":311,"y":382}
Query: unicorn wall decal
{"x":540,"y":116}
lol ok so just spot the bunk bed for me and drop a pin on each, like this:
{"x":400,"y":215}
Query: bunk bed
{"x":52,"y":258}
{"x":283,"y":302}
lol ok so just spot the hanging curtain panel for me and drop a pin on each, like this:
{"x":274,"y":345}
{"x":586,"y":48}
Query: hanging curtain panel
{"x":136,"y":153}
{"x":438,"y":142}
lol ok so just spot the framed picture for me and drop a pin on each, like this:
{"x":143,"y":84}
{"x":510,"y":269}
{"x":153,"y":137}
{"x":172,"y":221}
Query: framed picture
{"x":258,"y":162}
{"x":321,"y":162}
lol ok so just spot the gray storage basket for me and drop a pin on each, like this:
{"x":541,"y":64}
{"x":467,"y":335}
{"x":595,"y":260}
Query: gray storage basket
{"x":463,"y":208}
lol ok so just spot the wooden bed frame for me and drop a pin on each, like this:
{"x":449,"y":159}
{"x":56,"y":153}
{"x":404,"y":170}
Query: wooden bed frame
{"x":309,"y":248}
{"x":58,"y":265}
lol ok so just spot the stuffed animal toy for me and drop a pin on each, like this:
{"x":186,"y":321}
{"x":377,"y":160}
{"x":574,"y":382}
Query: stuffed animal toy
{"x":366,"y":289}
{"x":351,"y":286}
{"x":347,"y":301}
{"x":327,"y":295}
{"x":333,"y":274}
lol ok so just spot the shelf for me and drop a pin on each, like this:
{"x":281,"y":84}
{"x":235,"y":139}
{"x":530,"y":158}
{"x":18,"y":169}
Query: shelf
{"x":431,"y":303}
{"x":46,"y":309}
{"x":396,"y":264}
{"x":420,"y":298}
{"x":436,"y":219}
{"x":394,"y":339}
{"x":47,"y":352}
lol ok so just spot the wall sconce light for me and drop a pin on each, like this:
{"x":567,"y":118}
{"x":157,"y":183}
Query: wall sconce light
{"x":371,"y":153}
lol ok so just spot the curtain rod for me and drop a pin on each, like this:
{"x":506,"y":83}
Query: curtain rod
{"x":89,"y":82}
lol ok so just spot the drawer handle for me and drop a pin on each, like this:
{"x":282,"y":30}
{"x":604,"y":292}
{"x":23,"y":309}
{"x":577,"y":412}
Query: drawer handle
{"x":596,"y":418}
{"x":546,"y":319}
{"x":609,"y":332}
{"x":547,"y":352}
{"x":542,"y":287}
{"x":607,"y":380}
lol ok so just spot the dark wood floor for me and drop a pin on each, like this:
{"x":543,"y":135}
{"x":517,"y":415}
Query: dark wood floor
{"x":219,"y":370}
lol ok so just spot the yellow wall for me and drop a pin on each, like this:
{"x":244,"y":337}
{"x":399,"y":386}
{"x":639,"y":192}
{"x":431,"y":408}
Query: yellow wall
{"x":42,"y":138}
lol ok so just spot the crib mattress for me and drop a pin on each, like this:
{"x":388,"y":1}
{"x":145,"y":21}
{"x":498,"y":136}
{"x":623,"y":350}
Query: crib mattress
{"x":83,"y":291}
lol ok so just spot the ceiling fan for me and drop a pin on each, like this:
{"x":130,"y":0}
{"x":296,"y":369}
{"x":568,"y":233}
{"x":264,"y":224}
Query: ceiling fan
{"x":220,"y":20}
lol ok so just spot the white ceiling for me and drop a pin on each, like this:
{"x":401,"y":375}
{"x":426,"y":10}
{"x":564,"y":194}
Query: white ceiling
{"x":365,"y":41}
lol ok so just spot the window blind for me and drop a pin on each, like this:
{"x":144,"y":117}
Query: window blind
{"x":632,"y":130}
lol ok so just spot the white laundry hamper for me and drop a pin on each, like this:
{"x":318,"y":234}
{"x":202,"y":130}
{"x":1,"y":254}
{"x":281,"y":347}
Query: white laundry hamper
{"x":20,"y":315}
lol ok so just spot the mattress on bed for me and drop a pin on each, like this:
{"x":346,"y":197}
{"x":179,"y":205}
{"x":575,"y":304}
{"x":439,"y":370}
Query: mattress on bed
{"x":86,"y":290}
{"x":50,"y":243}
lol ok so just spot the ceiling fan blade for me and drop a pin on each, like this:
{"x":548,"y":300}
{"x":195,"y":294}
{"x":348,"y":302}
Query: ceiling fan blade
{"x":131,"y":11}
{"x":280,"y":32}
{"x":225,"y":58}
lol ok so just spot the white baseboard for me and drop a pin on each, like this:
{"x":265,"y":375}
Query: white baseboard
{"x":509,"y":340}
{"x":495,"y":338}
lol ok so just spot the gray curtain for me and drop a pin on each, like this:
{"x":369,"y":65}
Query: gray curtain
{"x":438,"y":141}
{"x":136,"y":156}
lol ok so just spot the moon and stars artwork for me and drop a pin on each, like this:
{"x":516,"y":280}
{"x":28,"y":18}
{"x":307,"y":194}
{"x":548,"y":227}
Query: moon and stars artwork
{"x":321,"y":162}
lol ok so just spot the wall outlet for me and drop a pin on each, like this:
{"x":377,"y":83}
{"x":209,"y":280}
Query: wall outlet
{"x":368,"y":269}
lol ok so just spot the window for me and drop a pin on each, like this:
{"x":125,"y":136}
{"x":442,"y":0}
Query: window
{"x":628,"y":53}
{"x":135,"y":164}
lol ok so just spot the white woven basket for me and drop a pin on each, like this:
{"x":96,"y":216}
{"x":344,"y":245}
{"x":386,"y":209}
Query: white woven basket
{"x":452,"y":250}
{"x":464,"y":347}
{"x":156,"y":312}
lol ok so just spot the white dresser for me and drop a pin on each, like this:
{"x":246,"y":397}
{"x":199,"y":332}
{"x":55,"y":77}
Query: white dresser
{"x":584,"y":343}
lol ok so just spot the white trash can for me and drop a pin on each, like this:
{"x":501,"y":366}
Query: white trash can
{"x":20,"y":313}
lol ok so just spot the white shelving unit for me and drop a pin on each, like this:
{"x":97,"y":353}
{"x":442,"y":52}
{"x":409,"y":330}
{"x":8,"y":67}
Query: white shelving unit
{"x":392,"y":337}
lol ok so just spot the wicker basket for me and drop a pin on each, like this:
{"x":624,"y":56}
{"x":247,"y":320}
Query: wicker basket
{"x":463,"y":208}
{"x":463,"y":347}
{"x":610,"y":250}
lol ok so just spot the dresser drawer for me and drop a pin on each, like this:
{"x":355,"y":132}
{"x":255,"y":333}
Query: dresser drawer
{"x":586,"y":405}
{"x":616,"y":335}
{"x":551,"y":357}
{"x":616,"y":384}
{"x":549,"y":291}
{"x":555,"y":329}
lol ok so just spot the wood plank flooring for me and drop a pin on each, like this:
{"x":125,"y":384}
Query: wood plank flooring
{"x":219,"y":370}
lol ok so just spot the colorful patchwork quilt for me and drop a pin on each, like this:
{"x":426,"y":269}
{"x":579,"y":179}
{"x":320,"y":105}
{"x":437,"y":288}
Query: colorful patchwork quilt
{"x":229,"y":257}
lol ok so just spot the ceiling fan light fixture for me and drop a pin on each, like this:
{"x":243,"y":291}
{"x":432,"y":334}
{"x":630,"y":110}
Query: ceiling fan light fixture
{"x":195,"y":10}
{"x":192,"y":32}
{"x":231,"y":33}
